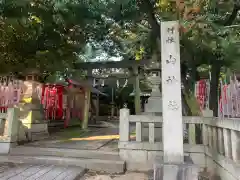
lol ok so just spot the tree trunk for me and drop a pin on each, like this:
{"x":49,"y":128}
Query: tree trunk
{"x":214,"y":88}
{"x":185,"y":108}
{"x":193,"y":77}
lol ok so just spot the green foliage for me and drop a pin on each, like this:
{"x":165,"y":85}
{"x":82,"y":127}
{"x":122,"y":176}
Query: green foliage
{"x":51,"y":35}
{"x":193,"y":104}
{"x":48,"y":35}
{"x":210,"y":36}
{"x":34,"y":37}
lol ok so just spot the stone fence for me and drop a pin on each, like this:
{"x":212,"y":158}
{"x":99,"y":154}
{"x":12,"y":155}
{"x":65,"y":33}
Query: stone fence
{"x":210,"y":142}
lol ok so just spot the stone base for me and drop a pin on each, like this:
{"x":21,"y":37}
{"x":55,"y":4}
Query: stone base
{"x":207,"y":113}
{"x":143,"y":160}
{"x":154,"y":105}
{"x":32,"y":132}
{"x":176,"y":172}
{"x":6,"y":146}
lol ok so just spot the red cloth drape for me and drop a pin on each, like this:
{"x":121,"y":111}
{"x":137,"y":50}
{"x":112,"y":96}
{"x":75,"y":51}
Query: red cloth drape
{"x":43,"y":94}
{"x":201,"y":93}
{"x":223,"y":100}
{"x":52,"y":100}
{"x":60,"y":102}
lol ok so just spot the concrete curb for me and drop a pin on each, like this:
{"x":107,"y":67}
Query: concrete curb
{"x":63,"y":152}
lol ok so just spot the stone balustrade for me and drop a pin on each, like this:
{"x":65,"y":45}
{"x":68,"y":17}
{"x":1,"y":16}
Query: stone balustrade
{"x":221,"y":139}
{"x":210,"y":142}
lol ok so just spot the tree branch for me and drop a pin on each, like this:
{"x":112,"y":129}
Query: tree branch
{"x":229,"y":21}
{"x":147,"y":7}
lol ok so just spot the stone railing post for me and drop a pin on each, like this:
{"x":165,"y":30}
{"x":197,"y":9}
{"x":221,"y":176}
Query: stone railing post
{"x":210,"y":138}
{"x":13,"y":123}
{"x":235,"y":142}
{"x":124,"y":125}
{"x":139,"y":131}
{"x":206,"y":130}
{"x":192,"y":134}
{"x":151,"y":132}
{"x":205,"y":134}
{"x":227,"y":143}
{"x":220,"y":141}
{"x":10,"y":135}
{"x":214,"y":138}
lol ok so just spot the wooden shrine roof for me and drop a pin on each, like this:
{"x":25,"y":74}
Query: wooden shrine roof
{"x":86,"y":84}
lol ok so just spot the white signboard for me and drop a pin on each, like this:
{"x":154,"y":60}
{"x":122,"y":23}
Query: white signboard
{"x":171,"y":93}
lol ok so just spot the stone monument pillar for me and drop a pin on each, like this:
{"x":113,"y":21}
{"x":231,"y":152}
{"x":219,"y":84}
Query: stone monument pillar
{"x":171,"y":88}
{"x":154,"y":104}
{"x":32,"y":123}
{"x":174,"y":166}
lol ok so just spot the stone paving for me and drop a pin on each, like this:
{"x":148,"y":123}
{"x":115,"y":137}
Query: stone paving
{"x":11,"y":171}
{"x":128,"y":176}
{"x":93,"y":143}
{"x":97,"y":139}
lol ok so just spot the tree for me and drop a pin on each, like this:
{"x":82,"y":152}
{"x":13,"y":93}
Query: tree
{"x":216,"y":41}
{"x":47,"y":35}
{"x":38,"y":33}
{"x":206,"y":26}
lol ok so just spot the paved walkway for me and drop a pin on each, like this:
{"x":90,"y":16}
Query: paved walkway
{"x":11,"y":171}
{"x":105,"y":139}
{"x":94,"y":140}
{"x":127,"y":176}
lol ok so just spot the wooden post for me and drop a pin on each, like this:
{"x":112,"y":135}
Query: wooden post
{"x":97,"y":107}
{"x":112,"y":104}
{"x":137,"y":99}
{"x":87,"y":96}
{"x":87,"y":101}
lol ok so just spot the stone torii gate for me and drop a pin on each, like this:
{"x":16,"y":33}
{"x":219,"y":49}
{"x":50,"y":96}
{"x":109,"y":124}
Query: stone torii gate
{"x":124,"y":64}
